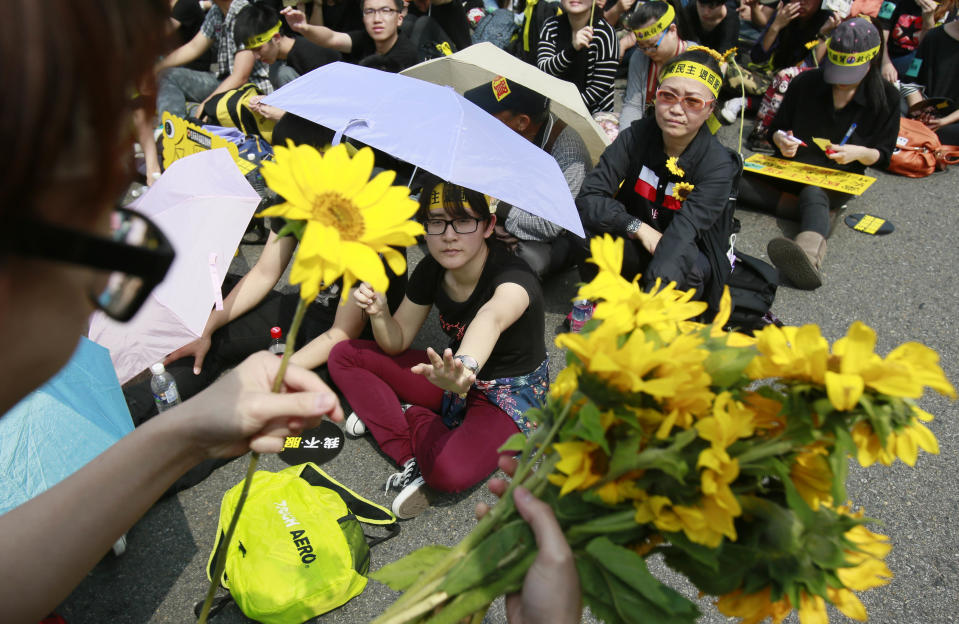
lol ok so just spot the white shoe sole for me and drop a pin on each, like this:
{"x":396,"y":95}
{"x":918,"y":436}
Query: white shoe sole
{"x":411,"y":502}
{"x":354,"y":427}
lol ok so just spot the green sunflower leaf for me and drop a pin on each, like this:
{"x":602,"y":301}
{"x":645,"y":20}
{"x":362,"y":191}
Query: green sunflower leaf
{"x":400,"y":575}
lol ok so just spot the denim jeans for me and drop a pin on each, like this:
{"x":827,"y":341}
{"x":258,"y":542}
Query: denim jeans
{"x":281,"y":73}
{"x":179,"y":85}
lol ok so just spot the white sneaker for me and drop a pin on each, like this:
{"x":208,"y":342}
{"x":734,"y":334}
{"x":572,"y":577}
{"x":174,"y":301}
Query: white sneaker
{"x":730,"y":110}
{"x":411,"y":501}
{"x":354,"y":427}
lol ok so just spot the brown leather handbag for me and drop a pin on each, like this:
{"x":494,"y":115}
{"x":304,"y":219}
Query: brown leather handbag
{"x":918,"y":151}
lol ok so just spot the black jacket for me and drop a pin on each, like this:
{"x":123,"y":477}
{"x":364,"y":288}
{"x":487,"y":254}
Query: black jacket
{"x":610,"y":199}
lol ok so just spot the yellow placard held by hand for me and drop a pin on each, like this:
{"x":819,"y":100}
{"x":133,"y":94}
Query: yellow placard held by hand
{"x":833,"y":179}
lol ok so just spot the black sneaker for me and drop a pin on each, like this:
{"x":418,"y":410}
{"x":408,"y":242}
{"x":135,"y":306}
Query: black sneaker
{"x":412,"y":500}
{"x":401,"y":479}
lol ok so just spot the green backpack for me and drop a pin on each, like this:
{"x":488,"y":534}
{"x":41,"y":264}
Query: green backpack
{"x":299,"y":549}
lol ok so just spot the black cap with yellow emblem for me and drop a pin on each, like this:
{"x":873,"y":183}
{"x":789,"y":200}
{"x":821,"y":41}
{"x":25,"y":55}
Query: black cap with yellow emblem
{"x":849,"y":51}
{"x":501,"y":95}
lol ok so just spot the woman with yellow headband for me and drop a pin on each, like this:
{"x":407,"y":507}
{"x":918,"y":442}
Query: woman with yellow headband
{"x":847,"y":103}
{"x":657,"y":37}
{"x":664,"y":183}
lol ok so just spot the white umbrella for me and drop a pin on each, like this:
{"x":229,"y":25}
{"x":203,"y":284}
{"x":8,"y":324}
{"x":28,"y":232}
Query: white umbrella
{"x":203,"y":205}
{"x":481,"y":63}
{"x":436,"y":129}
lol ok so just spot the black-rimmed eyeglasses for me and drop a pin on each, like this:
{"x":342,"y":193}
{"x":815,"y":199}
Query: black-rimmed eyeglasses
{"x":462,"y":225}
{"x":137,"y":254}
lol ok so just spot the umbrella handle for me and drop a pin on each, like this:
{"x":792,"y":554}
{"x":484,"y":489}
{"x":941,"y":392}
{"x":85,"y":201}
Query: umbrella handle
{"x":338,"y":137}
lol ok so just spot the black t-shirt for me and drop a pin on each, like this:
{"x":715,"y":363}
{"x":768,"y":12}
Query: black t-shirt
{"x":790,"y":46}
{"x":521,"y":347}
{"x":452,"y":19}
{"x":305,"y":56}
{"x":403,"y":52}
{"x":721,"y":38}
{"x":939,"y":54}
{"x":342,"y":16}
{"x":191,"y":16}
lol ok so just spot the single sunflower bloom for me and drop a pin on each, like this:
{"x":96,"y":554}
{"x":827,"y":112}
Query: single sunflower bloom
{"x":350,"y":219}
{"x":681,"y":190}
{"x":673,"y":167}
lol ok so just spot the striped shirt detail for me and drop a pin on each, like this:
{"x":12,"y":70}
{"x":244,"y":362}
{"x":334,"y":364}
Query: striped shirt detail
{"x":554,"y":57}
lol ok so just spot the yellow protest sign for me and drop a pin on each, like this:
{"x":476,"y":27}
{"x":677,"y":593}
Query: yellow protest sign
{"x":182,"y":138}
{"x":843,"y":181}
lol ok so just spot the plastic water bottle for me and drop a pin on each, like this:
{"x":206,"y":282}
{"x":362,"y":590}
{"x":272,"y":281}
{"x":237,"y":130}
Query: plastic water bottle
{"x":582,"y":312}
{"x":276,"y":346}
{"x":164,"y":389}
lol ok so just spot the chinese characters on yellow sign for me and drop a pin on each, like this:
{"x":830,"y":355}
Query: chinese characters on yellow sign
{"x":843,"y":181}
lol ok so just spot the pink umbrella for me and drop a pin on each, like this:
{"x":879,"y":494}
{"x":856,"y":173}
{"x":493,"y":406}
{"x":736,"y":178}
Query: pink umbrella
{"x":203,"y":204}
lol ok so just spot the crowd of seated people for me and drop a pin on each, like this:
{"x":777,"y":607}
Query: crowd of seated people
{"x":801,"y":69}
{"x":840,"y":71}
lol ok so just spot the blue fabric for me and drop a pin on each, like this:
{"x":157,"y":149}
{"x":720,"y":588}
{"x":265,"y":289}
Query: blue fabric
{"x":513,"y":395}
{"x":61,"y":426}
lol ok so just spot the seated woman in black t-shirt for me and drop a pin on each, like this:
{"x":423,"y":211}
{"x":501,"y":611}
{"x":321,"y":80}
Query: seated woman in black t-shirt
{"x":442,"y":416}
{"x":846,"y":102}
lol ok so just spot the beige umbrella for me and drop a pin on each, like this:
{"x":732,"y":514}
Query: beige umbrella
{"x":484,"y":61}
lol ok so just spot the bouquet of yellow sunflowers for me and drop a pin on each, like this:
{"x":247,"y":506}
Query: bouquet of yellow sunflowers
{"x":726,"y":454}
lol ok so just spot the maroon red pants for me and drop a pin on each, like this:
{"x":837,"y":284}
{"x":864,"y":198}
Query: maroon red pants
{"x":375,"y":384}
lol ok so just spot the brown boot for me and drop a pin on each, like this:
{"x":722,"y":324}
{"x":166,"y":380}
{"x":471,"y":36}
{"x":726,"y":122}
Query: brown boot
{"x":799,"y":260}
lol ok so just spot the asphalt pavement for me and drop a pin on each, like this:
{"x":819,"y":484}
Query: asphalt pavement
{"x":902,"y":284}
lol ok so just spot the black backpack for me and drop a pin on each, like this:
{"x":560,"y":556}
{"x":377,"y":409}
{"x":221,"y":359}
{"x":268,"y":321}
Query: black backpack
{"x":536,"y":12}
{"x":752,"y":287}
{"x":428,"y":36}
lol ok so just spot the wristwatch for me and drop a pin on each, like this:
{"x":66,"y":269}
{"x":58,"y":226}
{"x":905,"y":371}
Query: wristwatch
{"x":469,"y":363}
{"x":633,"y":227}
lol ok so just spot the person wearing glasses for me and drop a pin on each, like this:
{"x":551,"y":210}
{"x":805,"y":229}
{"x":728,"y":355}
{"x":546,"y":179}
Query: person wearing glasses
{"x":64,"y":252}
{"x":664,"y":183}
{"x":380,"y":36}
{"x":584,"y":53}
{"x":657,"y":37}
{"x":442,"y":415}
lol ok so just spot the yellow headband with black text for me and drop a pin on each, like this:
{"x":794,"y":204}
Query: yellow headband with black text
{"x":436,"y":197}
{"x":688,"y":69}
{"x":661,"y":24}
{"x":257,"y":40}
{"x":850,"y":59}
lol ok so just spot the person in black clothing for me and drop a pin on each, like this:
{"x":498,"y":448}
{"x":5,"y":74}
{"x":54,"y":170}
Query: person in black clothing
{"x":664,"y":184}
{"x":258,"y":29}
{"x":782,"y":48}
{"x":187,"y":17}
{"x":712,"y":23}
{"x":381,"y":19}
{"x":937,"y":56}
{"x":794,"y":24}
{"x":847,"y":102}
{"x":450,"y":15}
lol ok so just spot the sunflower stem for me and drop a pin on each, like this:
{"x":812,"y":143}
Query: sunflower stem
{"x":251,"y":468}
{"x":426,"y":586}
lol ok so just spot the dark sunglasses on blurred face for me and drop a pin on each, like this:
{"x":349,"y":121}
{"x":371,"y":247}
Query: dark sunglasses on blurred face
{"x":137,"y":256}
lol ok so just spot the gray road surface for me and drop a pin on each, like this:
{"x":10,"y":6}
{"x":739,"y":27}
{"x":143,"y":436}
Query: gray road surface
{"x":903,"y":285}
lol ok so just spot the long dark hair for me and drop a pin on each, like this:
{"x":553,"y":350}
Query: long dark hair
{"x":73,"y":69}
{"x":878,"y":94}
